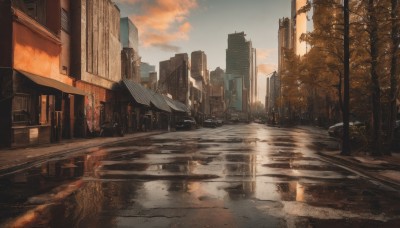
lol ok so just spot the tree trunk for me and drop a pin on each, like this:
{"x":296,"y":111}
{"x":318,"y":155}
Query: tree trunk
{"x":393,"y":71}
{"x":346,"y":93}
{"x":376,"y":91}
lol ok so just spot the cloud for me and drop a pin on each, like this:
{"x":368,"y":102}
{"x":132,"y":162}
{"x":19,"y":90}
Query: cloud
{"x":264,"y":69}
{"x":168,"y":47}
{"x":161,"y":22}
{"x":263,"y":54}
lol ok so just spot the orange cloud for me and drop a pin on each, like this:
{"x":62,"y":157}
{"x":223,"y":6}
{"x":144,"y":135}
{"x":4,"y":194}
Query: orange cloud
{"x":263,"y":54}
{"x":161,"y":22}
{"x":264,"y":69}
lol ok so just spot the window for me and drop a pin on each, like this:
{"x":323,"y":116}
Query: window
{"x":36,"y":9}
{"x":21,"y":108}
{"x":65,"y":24}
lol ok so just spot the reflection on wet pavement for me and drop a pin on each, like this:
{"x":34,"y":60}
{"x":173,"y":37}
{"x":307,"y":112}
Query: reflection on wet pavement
{"x":233,"y":176}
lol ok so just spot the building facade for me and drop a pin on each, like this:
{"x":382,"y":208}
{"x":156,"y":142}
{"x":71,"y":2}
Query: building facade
{"x":299,"y":27}
{"x":216,"y":96}
{"x":130,"y":59}
{"x":96,"y":62}
{"x":38,"y":100}
{"x":148,"y":76}
{"x":200,"y":74}
{"x":240,"y":62}
{"x":174,"y":77}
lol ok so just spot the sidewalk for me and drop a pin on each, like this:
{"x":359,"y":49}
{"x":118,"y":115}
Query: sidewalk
{"x":15,"y":159}
{"x":385,"y":169}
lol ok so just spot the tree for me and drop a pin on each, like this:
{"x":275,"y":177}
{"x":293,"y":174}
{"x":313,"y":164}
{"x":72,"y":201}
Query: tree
{"x":394,"y":87}
{"x":346,"y":93}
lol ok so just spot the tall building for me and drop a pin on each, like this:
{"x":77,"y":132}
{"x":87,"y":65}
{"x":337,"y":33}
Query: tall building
{"x":284,"y":41}
{"x":254,"y":72}
{"x":130,"y":59}
{"x":299,"y":27}
{"x":240,"y":63}
{"x":96,"y":62}
{"x":198,"y":67}
{"x":217,"y":99}
{"x":274,"y":89}
{"x":199,"y":72}
{"x":174,"y":77}
{"x":146,"y":69}
{"x":148,"y":76}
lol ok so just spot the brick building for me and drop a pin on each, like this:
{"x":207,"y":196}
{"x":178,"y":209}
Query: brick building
{"x":38,"y":100}
{"x":96,"y":62}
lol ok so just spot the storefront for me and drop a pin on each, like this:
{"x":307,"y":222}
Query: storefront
{"x":39,"y":110}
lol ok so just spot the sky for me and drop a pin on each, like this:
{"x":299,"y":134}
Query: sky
{"x":167,"y":27}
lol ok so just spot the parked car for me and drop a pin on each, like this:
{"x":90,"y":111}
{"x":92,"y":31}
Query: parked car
{"x":210,"y":123}
{"x":336,"y":130}
{"x":220,"y":122}
{"x":111,"y":129}
{"x":188,"y":123}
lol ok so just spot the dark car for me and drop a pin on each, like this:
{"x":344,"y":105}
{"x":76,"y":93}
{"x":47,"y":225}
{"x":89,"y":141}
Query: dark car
{"x":111,"y":129}
{"x":210,"y":123}
{"x":187,"y":123}
{"x":337,"y":129}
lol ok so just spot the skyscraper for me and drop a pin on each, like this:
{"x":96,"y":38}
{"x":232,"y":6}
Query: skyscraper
{"x":240,"y":64}
{"x":299,"y":26}
{"x":198,"y":68}
{"x":130,"y":59}
{"x":174,"y":77}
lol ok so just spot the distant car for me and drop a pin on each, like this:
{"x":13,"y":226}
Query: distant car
{"x":210,"y":123}
{"x":259,"y":121}
{"x":234,"y":118}
{"x":220,"y":122}
{"x":188,"y":123}
{"x":336,"y":130}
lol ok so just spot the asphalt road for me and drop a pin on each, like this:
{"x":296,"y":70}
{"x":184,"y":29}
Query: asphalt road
{"x":232,"y":176}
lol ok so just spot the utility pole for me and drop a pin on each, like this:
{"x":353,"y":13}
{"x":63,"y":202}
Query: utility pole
{"x":346,"y":79}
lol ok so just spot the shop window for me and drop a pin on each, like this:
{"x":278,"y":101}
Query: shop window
{"x":21,"y":112}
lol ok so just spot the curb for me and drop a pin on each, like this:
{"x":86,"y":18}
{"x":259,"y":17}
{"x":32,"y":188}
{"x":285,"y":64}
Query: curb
{"x":355,"y":166}
{"x":36,"y":160}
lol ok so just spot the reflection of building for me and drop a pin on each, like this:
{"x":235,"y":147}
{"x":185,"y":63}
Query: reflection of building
{"x":130,"y":59}
{"x":240,"y":61}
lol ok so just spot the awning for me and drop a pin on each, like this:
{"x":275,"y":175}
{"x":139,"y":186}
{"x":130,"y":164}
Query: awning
{"x":176,"y":105}
{"x":138,"y":92}
{"x":48,"y":82}
{"x":173,"y":105}
{"x":158,"y":101}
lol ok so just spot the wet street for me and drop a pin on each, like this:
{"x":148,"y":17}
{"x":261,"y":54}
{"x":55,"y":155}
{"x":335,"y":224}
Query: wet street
{"x":232,"y":176}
